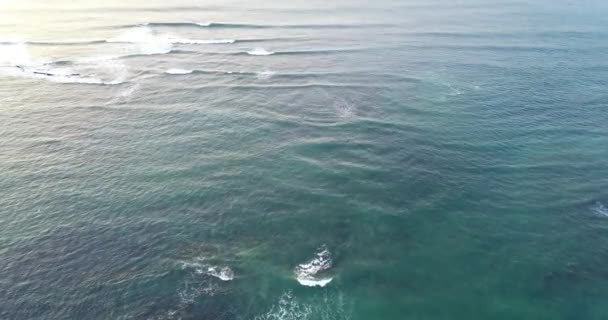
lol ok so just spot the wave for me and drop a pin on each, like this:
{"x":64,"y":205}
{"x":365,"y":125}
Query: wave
{"x":259,"y":75}
{"x":193,"y":285}
{"x":344,"y":109}
{"x":329,"y":304}
{"x":251,"y":25}
{"x":16,"y":61}
{"x":65,"y":42}
{"x":150,"y":42}
{"x":260,"y":52}
{"x":223,"y":273}
{"x":14,"y":53}
{"x":59,"y":75}
{"x":264,"y":52}
{"x":178,"y":71}
{"x":265,"y":74}
{"x":198,"y":25}
{"x":308,"y":273}
{"x":287,"y":308}
{"x":191,"y":41}
{"x":600,"y":209}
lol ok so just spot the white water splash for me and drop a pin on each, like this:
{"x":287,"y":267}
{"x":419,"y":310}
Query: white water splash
{"x":178,"y":71}
{"x":308,"y":274}
{"x":265,"y":74}
{"x":600,"y":209}
{"x":149,"y":42}
{"x":344,"y":109}
{"x":223,"y":273}
{"x":288,"y":308}
{"x":259,"y":52}
{"x":16,"y":61}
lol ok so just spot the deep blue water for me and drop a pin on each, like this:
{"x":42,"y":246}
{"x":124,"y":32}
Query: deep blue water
{"x":304,"y":159}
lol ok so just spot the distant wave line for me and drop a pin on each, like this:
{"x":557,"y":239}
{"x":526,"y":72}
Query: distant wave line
{"x":249,"y":25}
{"x":293,"y":86}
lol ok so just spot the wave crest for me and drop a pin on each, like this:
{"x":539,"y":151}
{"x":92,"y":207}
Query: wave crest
{"x":308,"y":274}
{"x":150,"y":42}
{"x":223,"y":273}
{"x":287,"y":308}
{"x":260,"y":52}
{"x":16,"y":61}
{"x":178,"y":71}
{"x":600,"y":209}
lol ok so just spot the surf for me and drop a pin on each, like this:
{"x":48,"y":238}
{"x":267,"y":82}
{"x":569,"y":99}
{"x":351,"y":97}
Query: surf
{"x":310,"y":273}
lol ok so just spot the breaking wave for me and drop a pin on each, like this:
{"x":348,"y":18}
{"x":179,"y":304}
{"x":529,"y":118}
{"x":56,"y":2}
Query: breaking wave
{"x":150,"y":42}
{"x":326,"y":305}
{"x":199,"y":266}
{"x":16,"y":61}
{"x":310,"y":273}
{"x":264,"y":52}
{"x":600,"y":209}
{"x":259,"y":52}
{"x":252,"y":25}
{"x":178,"y":71}
{"x":265,"y":74}
{"x":56,"y":43}
{"x":287,"y":308}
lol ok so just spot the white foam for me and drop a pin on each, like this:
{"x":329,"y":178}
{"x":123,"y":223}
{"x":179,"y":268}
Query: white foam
{"x":308,"y":274}
{"x":260,"y":52}
{"x":150,"y":42}
{"x":70,"y":79}
{"x":288,"y":308}
{"x":224,"y":273}
{"x":600,"y":209}
{"x":146,"y":40}
{"x":178,"y":71}
{"x":194,"y":41}
{"x":16,"y":61}
{"x":344,"y":109}
{"x":265,"y":74}
{"x":141,"y":34}
{"x":314,"y":283}
{"x":13,"y":51}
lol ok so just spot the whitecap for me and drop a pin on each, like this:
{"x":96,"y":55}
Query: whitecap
{"x":287,"y":308}
{"x":14,"y":52}
{"x":600,"y":209}
{"x":70,"y":79}
{"x":150,"y":42}
{"x":223,"y":273}
{"x":178,"y":71}
{"x":23,"y":66}
{"x":146,"y":40}
{"x":314,"y":283}
{"x":195,"y":41}
{"x":260,"y":52}
{"x":308,"y":274}
{"x":344,"y":109}
{"x":265,"y":74}
{"x":142,"y":34}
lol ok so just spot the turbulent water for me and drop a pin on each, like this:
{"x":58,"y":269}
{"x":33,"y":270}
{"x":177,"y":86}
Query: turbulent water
{"x":327,"y":160}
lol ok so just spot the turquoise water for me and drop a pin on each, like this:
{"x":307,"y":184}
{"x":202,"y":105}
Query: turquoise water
{"x":304,"y":160}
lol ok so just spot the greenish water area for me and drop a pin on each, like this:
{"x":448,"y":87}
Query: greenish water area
{"x":319,"y":160}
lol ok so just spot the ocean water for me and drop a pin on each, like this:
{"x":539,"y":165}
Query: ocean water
{"x":319,"y":160}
